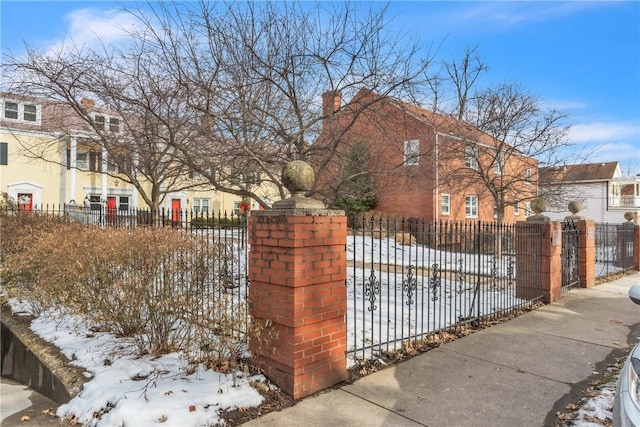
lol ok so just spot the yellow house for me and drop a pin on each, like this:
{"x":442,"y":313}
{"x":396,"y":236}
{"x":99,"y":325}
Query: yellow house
{"x":49,"y":159}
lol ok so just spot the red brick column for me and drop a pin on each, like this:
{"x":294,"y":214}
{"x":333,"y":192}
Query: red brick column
{"x":297,"y":268}
{"x":586,"y":253}
{"x":636,"y":247}
{"x":539,"y":260}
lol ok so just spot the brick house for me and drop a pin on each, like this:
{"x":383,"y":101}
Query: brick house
{"x":423,"y":164}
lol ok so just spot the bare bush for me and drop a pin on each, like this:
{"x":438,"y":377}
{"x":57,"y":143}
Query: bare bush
{"x":159,"y":286}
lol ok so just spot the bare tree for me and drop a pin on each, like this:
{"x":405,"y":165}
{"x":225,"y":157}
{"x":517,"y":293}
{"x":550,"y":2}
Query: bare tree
{"x":256,"y":72}
{"x":115,"y":102}
{"x":463,"y":75}
{"x":511,"y":133}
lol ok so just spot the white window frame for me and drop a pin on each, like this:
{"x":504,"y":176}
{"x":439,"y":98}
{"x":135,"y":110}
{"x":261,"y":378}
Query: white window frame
{"x":516,"y":208}
{"x":498,"y":164}
{"x":20,"y":114}
{"x":471,"y":157}
{"x":199,"y":203}
{"x":495,"y":211}
{"x":104,"y":123}
{"x":82,"y":164}
{"x":471,"y":206}
{"x":123,"y":203}
{"x":527,"y":175}
{"x":445,"y":203}
{"x":527,"y":210}
{"x":412,"y":152}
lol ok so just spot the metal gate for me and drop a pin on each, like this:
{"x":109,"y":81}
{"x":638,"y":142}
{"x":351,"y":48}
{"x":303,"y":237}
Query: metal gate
{"x":570,"y":277}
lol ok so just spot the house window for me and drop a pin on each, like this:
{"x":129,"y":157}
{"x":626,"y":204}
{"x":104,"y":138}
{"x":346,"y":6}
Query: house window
{"x":99,"y":122}
{"x":446,"y":204}
{"x":236,"y":208}
{"x":412,"y":152}
{"x":527,"y":210}
{"x":498,"y":164}
{"x":112,"y":167}
{"x":114,"y":125}
{"x":195,"y":175}
{"x":471,"y":158}
{"x":527,"y":175}
{"x":30,"y":113}
{"x":20,"y":111}
{"x":495,"y":210}
{"x":95,"y":202}
{"x":516,"y":208}
{"x":82,"y":161}
{"x":471,"y":206}
{"x":201,"y":206}
{"x":123,"y":203}
{"x":4,"y":153}
{"x":11,"y":110}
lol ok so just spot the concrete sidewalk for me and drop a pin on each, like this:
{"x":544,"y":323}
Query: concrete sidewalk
{"x":518,"y":373}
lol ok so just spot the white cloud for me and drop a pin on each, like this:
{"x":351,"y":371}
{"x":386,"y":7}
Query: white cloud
{"x":603,"y":131}
{"x":88,"y":25}
{"x":94,"y":27}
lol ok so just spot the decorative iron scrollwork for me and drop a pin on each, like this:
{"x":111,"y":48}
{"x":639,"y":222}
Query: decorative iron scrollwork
{"x":371,"y":290}
{"x":409,"y":285}
{"x":460,"y":276}
{"x":494,"y":272}
{"x":510,"y":270}
{"x":434,"y":282}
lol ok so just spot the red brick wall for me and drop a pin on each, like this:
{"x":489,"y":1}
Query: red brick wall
{"x":297,"y":268}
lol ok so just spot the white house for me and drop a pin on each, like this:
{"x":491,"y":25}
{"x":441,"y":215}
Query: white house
{"x":606,"y":195}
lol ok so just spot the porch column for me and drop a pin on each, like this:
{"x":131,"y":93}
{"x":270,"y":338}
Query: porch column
{"x":73,"y":163}
{"x":297,"y":268}
{"x":103,"y":170}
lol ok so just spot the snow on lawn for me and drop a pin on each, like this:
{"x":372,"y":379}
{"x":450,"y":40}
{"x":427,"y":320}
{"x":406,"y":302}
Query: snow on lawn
{"x":128,"y":390}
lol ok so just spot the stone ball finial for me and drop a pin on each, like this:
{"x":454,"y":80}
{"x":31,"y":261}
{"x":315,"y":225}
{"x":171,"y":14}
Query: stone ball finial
{"x":575,"y":207}
{"x":629,"y":216}
{"x":538,"y":206}
{"x":298,"y":177}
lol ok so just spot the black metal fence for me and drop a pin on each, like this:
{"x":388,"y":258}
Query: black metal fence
{"x":570,"y":276}
{"x":221,"y":243}
{"x":614,"y":248}
{"x":409,"y":279}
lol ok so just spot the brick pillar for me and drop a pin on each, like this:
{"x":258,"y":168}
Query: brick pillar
{"x":636,"y":247}
{"x":586,"y":253}
{"x":539,"y":260}
{"x":297,"y":268}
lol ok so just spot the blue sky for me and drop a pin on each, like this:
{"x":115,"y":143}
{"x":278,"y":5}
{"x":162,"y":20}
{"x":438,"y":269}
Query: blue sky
{"x":580,"y":57}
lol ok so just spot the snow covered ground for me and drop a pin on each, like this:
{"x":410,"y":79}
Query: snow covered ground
{"x":125,"y":389}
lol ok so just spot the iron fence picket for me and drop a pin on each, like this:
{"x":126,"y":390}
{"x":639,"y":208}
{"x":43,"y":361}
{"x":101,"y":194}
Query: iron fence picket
{"x":452,"y":274}
{"x":614,"y":248}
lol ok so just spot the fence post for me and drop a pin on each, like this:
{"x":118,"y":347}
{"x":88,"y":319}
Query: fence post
{"x":636,"y":247}
{"x":297,"y":268}
{"x":586,"y":253}
{"x":539,"y":263}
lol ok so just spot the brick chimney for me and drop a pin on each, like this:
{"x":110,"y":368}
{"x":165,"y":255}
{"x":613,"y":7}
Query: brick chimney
{"x":331,"y":101}
{"x":87,"y":103}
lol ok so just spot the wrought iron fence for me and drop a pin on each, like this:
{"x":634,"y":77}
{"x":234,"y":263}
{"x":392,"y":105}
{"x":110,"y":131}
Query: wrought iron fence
{"x":220,"y":243}
{"x":411,"y":278}
{"x":614,"y":248}
{"x":570,"y":275}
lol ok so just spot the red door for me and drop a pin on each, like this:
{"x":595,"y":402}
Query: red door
{"x":25,"y":202}
{"x":175,"y":211}
{"x":111,"y":210}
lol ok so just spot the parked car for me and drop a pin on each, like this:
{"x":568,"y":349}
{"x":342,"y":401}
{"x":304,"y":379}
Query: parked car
{"x":626,"y":404}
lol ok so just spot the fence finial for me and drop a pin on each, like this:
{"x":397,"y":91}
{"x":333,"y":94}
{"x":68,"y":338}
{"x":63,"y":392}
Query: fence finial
{"x":298,"y":177}
{"x":575,"y":207}
{"x":538,"y":206}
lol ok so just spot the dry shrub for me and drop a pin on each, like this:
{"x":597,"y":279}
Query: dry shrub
{"x":405,"y":239}
{"x":161,"y":287}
